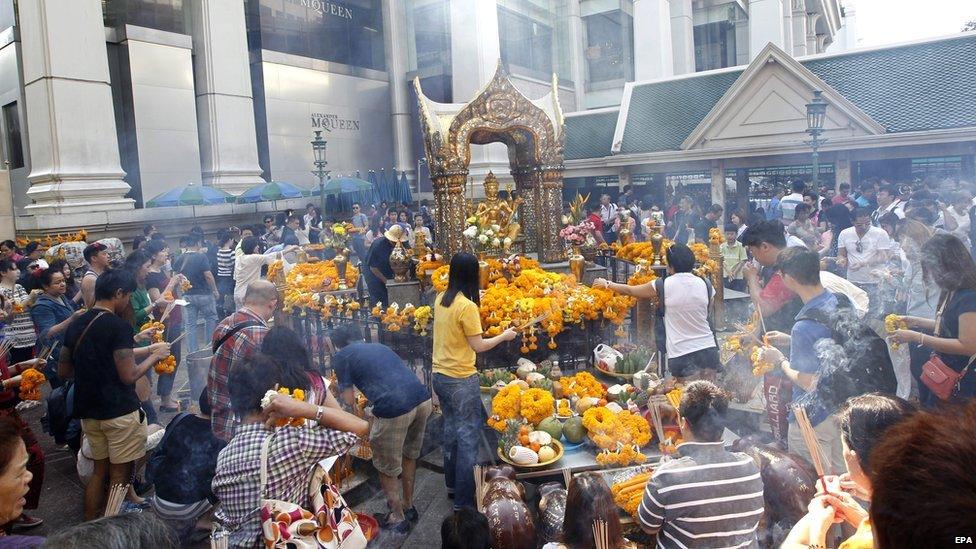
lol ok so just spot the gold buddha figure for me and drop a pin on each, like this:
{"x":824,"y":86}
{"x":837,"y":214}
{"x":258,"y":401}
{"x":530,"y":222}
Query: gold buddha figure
{"x":495,"y":211}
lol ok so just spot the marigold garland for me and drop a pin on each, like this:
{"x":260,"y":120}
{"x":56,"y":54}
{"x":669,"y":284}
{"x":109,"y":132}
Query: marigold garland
{"x":30,"y":384}
{"x":536,"y":405}
{"x":581,"y":385}
{"x":306,"y":280}
{"x":505,"y":405}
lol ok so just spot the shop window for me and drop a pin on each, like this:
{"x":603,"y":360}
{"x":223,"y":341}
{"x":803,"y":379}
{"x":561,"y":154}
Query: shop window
{"x":714,"y":46}
{"x":166,"y":15}
{"x":525,"y":42}
{"x":432,"y":35}
{"x":13,"y":142}
{"x":609,"y":46}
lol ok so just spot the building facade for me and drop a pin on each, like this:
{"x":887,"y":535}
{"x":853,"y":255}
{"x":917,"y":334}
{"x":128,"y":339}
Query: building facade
{"x":107,"y":103}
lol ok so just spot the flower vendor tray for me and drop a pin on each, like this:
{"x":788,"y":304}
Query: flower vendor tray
{"x":557,"y":445}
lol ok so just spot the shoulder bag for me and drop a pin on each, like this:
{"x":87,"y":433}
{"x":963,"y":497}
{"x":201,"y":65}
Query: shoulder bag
{"x":942,"y":380}
{"x":332,"y":524}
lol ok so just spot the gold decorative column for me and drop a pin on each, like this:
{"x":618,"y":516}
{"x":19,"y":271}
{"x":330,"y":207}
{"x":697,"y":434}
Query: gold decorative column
{"x":525,"y":184}
{"x":718,"y":302}
{"x":551,"y":249}
{"x":449,"y":199}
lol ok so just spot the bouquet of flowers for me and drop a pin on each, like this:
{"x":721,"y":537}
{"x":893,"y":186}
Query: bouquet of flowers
{"x":340,"y":234}
{"x":580,"y":234}
{"x":485,"y":238}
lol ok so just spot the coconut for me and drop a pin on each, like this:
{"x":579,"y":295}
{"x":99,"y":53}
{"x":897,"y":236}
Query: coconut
{"x":541,"y":438}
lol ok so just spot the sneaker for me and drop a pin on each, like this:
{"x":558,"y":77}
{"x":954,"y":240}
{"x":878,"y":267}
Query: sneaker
{"x":411,"y":514}
{"x":26,"y":522}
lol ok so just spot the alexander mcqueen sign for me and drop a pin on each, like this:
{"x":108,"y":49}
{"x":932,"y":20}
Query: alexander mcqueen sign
{"x":338,"y":123}
{"x":327,"y":8}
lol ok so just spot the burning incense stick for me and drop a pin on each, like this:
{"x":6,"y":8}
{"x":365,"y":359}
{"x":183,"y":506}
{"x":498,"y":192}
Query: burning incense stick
{"x":600,"y":539}
{"x":479,"y":487}
{"x":810,"y":439}
{"x":219,"y":537}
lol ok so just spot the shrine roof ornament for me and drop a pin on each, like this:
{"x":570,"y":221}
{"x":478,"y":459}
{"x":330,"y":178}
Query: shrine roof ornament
{"x":533,"y":129}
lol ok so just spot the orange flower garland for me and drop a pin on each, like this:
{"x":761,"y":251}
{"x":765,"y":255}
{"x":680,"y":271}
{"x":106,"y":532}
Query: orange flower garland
{"x":581,"y":385}
{"x":536,"y":405}
{"x":30,"y":384}
{"x":306,"y":280}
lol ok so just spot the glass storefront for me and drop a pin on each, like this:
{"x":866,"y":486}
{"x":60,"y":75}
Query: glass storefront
{"x":430,"y":23}
{"x":609,"y":49}
{"x":348,"y":32}
{"x":533,"y":37}
{"x":165,"y":15}
{"x":715,"y":46}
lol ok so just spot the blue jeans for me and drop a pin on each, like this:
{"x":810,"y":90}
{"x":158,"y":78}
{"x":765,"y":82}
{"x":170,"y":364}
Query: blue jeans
{"x":464,"y":418}
{"x":199,"y":306}
{"x":359,"y":246}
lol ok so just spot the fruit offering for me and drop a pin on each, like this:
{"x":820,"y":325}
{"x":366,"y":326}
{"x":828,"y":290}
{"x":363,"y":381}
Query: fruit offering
{"x":633,"y":362}
{"x":523,"y":446}
{"x":628,"y":493}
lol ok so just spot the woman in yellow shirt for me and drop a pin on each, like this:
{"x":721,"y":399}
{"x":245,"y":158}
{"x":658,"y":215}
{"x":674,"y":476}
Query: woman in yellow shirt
{"x":863,"y":421}
{"x":457,"y":339}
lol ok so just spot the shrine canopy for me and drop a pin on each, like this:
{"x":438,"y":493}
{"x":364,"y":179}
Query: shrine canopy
{"x":533,"y":131}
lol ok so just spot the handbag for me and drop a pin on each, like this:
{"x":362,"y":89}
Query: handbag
{"x":942,"y":380}
{"x":332,"y":525}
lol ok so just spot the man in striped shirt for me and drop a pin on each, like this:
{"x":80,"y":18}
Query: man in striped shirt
{"x":708,"y":497}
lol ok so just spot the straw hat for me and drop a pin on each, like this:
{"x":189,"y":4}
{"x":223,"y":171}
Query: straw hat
{"x":396,"y":233}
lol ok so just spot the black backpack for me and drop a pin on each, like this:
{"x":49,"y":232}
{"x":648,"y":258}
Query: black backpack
{"x":59,"y":422}
{"x":159,"y":454}
{"x":861,"y":363}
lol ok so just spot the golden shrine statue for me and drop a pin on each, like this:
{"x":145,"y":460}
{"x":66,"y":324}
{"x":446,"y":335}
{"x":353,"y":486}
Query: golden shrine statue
{"x":495,"y":211}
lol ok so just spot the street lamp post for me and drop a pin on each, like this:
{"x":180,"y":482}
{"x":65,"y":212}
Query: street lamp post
{"x":318,"y":153}
{"x":816,"y":113}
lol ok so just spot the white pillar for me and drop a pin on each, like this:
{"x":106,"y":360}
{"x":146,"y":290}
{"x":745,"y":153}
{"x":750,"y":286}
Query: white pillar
{"x":799,"y":28}
{"x":577,"y":64}
{"x":74,"y":149}
{"x":394,"y":15}
{"x":718,"y":191}
{"x":765,"y":25}
{"x":653,"y":56}
{"x":788,"y":26}
{"x":682,"y":36}
{"x":475,"y":52}
{"x":812,"y":33}
{"x":225,"y":105}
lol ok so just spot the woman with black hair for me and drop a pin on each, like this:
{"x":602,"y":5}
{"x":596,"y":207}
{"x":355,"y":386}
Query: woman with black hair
{"x":690,"y":342}
{"x":291,"y":354}
{"x":588,"y":499}
{"x":863,"y":422}
{"x":159,"y":285}
{"x":52,"y":313}
{"x":838,"y":218}
{"x":947,"y":263}
{"x":712,"y":493}
{"x":457,"y":339}
{"x":17,"y":302}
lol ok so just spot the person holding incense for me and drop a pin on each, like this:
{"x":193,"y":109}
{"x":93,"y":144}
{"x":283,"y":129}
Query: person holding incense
{"x":800,"y":270}
{"x":709,"y":496}
{"x":864,"y":420}
{"x":10,"y":378}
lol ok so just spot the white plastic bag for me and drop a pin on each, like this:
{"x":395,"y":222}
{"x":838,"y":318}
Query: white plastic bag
{"x":605,"y":357}
{"x":901,"y":362}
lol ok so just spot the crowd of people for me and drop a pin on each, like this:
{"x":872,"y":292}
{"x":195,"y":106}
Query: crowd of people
{"x":822,"y":269}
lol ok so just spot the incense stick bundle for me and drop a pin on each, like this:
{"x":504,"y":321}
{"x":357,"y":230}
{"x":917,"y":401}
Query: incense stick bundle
{"x":179,"y":337}
{"x":810,"y":439}
{"x":219,"y":538}
{"x":45,"y":350}
{"x":479,"y":487}
{"x":169,"y":309}
{"x":658,"y":423}
{"x":116,"y":495}
{"x":600,"y":538}
{"x":5,"y":346}
{"x":567,"y":477}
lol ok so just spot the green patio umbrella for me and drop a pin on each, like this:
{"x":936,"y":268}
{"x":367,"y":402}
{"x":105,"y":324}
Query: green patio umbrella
{"x":190,"y":195}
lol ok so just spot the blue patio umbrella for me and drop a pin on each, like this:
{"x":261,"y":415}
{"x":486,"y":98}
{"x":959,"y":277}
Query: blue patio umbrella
{"x":403,"y":189}
{"x":275,"y":190}
{"x":190,"y":195}
{"x":386,"y":192}
{"x":371,"y":177}
{"x":349,"y":190}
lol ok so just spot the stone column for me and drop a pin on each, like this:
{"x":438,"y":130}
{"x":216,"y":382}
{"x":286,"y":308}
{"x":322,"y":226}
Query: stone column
{"x":799,"y":28}
{"x":225,"y":107}
{"x":718,"y":193}
{"x":653,"y":57}
{"x":550,"y":207}
{"x":528,"y":190}
{"x":842,"y":170}
{"x":682,"y":36}
{"x":74,"y":148}
{"x":576,"y":62}
{"x":475,"y":52}
{"x":788,"y":26}
{"x":765,"y":25}
{"x":449,"y":200}
{"x":397,"y":66}
{"x":812,"y":33}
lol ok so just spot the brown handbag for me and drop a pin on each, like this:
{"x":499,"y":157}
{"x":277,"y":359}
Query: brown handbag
{"x":942,"y":380}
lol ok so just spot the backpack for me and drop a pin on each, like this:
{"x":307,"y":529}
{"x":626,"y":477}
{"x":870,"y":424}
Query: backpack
{"x":864,"y":366}
{"x":60,"y":422}
{"x":159,"y":454}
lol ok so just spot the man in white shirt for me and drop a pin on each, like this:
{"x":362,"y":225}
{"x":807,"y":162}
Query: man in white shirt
{"x":608,"y":213}
{"x":888,"y":201}
{"x":789,"y":202}
{"x":958,"y":214}
{"x":864,"y":249}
